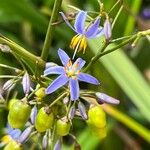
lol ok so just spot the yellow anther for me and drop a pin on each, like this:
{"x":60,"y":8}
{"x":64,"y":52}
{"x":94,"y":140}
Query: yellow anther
{"x":83,"y":44}
{"x":75,"y":41}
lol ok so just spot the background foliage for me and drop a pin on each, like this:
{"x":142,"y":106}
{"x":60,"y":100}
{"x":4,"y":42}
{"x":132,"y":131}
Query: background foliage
{"x":125,"y":74}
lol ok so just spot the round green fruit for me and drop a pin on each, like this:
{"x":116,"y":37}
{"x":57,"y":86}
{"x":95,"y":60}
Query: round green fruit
{"x":96,"y":117}
{"x":19,"y":114}
{"x":44,"y":119}
{"x":40,"y":94}
{"x":62,"y":127}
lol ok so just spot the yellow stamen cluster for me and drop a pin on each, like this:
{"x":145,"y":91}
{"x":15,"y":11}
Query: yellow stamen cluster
{"x":71,"y":70}
{"x":78,"y":42}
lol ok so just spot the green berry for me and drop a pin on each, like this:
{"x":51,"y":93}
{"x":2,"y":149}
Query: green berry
{"x":44,"y":119}
{"x":19,"y":114}
{"x":40,"y":94}
{"x":62,"y":127}
{"x":96,"y":117}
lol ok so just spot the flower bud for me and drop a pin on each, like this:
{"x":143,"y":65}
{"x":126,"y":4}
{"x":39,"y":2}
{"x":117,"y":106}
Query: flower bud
{"x":66,"y":100}
{"x":57,"y":145}
{"x":71,"y":112}
{"x":5,"y":48}
{"x":26,"y":83}
{"x":13,"y":145}
{"x":107,"y":29}
{"x":25,"y":134}
{"x":19,"y":114}
{"x":40,"y":94}
{"x":44,"y":119}
{"x":82,"y":110}
{"x":104,"y":98}
{"x":96,"y":117}
{"x":45,"y":141}
{"x":63,"y":126}
{"x":8,"y":84}
{"x":33,"y":114}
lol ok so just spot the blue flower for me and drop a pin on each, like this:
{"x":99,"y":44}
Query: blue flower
{"x":93,"y":30}
{"x":69,"y":73}
{"x":11,"y":134}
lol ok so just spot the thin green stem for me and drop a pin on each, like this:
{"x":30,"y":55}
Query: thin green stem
{"x":8,"y":67}
{"x":102,"y":52}
{"x":7,"y":76}
{"x":50,"y":30}
{"x":118,"y":13}
{"x":96,"y":57}
{"x":129,"y":122}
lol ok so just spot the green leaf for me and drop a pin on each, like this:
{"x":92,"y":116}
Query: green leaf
{"x":127,"y":76}
{"x":21,"y":10}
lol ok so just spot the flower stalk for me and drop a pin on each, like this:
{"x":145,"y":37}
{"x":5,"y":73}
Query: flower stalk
{"x":50,"y":30}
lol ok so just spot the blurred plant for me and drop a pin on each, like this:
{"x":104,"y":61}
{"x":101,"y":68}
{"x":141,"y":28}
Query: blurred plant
{"x":42,"y":113}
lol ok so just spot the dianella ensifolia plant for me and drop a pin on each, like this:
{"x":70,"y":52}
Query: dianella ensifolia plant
{"x":49,"y":104}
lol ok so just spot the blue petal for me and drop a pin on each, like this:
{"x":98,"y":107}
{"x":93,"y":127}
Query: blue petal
{"x":100,"y":32}
{"x":93,"y":29}
{"x":66,"y":20}
{"x":56,"y":84}
{"x":54,"y":70}
{"x":63,"y":56}
{"x":74,"y":89}
{"x":88,"y":78}
{"x":80,"y":62}
{"x":15,"y":133}
{"x":80,"y":21}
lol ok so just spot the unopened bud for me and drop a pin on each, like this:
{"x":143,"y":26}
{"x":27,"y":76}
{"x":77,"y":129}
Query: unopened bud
{"x":26,"y":83}
{"x":45,"y":141}
{"x":66,"y":100}
{"x":71,"y":112}
{"x":104,"y":98}
{"x":8,"y":85}
{"x":107,"y":29}
{"x":5,"y":48}
{"x":82,"y":110}
{"x":33,"y":114}
{"x":25,"y":134}
{"x":57,"y":146}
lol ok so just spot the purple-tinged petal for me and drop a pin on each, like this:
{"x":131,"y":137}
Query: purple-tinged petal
{"x":33,"y":114}
{"x":104,"y":98}
{"x":26,"y":83}
{"x":49,"y":64}
{"x":56,"y":84}
{"x":99,"y":33}
{"x":71,"y":112}
{"x":88,"y":78}
{"x":25,"y":134}
{"x":57,"y":145}
{"x":45,"y":141}
{"x":54,"y":70}
{"x":107,"y":29}
{"x":63,"y":56}
{"x":66,"y":20}
{"x":82,"y":110}
{"x":79,"y":63}
{"x":74,"y":89}
{"x":8,"y":84}
{"x":80,"y":21}
{"x":93,"y":28}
